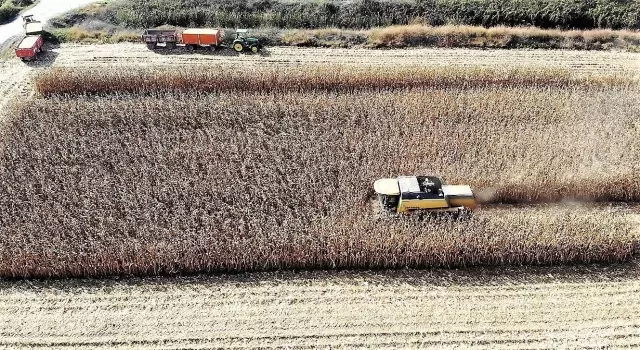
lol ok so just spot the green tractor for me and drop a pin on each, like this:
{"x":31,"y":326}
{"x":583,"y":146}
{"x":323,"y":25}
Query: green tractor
{"x":244,"y":43}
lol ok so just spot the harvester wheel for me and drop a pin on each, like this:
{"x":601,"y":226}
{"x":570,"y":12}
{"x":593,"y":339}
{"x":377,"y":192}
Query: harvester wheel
{"x":238,"y":47}
{"x":255,"y":49}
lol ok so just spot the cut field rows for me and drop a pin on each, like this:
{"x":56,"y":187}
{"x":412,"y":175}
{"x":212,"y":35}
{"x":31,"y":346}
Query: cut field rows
{"x":407,"y":309}
{"x":139,"y":55}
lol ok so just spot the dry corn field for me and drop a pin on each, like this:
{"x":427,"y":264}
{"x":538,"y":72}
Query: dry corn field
{"x":126,"y":162}
{"x":183,"y":182}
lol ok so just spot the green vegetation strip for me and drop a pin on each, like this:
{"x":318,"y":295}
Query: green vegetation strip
{"x":590,"y":25}
{"x":358,"y":14}
{"x":9,"y":9}
{"x":392,"y":37}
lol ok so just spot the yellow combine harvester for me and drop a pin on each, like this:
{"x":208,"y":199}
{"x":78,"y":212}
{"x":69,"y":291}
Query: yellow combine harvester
{"x":424,"y":194}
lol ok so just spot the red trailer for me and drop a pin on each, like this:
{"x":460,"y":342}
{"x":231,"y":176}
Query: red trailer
{"x":209,"y":38}
{"x":189,"y":38}
{"x":29,"y":47}
{"x":153,"y":37}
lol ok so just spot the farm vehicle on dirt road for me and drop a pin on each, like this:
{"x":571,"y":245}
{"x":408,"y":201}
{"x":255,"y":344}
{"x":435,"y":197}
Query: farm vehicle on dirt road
{"x":192,"y":39}
{"x":31,"y":45}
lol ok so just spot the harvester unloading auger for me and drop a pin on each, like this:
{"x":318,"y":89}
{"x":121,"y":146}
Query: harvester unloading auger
{"x":424,"y":194}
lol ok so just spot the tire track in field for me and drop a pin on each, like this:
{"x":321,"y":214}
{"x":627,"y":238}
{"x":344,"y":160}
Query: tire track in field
{"x":617,"y":337}
{"x":137,"y":54}
{"x":16,"y":78}
{"x":13,"y":83}
{"x":324,"y":309}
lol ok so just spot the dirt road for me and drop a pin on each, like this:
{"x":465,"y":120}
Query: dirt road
{"x":539,"y":308}
{"x":43,"y":11}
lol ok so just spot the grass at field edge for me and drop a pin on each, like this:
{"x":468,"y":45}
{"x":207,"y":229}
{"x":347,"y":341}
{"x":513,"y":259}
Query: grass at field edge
{"x":438,"y":277}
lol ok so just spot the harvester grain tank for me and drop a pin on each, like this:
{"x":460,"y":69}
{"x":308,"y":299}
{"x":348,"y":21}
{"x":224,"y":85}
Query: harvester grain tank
{"x":424,"y":194}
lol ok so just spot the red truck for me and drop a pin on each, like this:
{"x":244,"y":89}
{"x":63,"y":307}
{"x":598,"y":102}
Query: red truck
{"x":189,"y":38}
{"x":29,"y":47}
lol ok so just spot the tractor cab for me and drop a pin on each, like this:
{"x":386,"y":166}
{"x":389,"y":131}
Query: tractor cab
{"x":243,"y":43}
{"x":407,"y":194}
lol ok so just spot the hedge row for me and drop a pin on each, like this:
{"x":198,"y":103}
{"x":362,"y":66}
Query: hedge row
{"x":357,"y":14}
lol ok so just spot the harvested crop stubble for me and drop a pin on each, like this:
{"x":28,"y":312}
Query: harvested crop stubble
{"x":242,"y":181}
{"x":331,"y":78}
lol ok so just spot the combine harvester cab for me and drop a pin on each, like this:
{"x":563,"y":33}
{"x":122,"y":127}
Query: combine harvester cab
{"x":30,"y":47}
{"x":424,"y":195}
